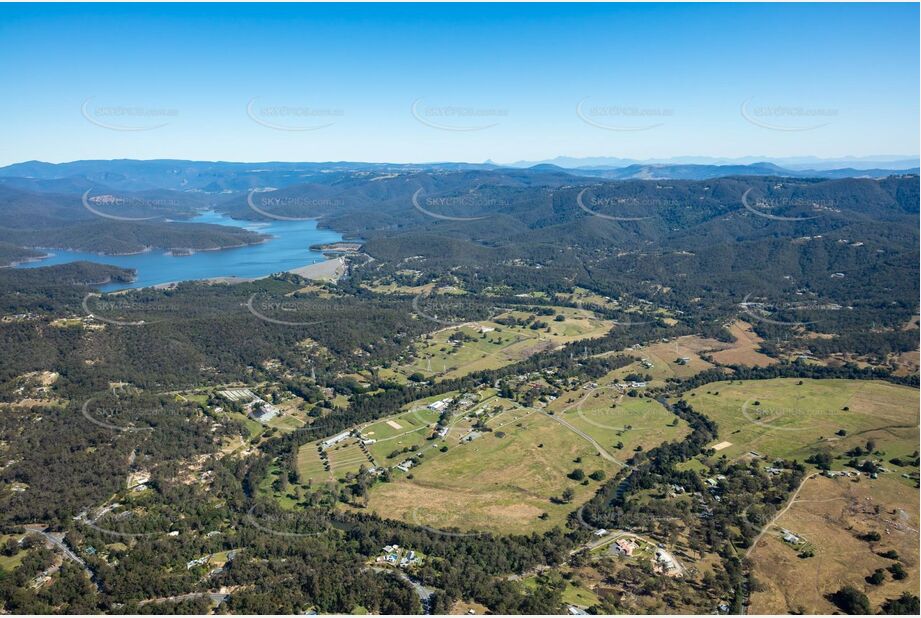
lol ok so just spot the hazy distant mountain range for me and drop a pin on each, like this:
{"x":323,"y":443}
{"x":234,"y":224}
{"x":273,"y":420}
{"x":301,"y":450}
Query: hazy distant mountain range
{"x":214,"y":177}
{"x":893,"y":162}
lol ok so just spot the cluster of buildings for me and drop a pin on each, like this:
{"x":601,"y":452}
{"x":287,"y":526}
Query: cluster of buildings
{"x":396,"y":556}
{"x":663,"y":562}
{"x":242,"y":395}
{"x":259,"y":410}
{"x":264,"y":412}
{"x":19,"y":317}
{"x":676,"y":490}
{"x":440,"y":405}
{"x":836,"y":473}
{"x":137,"y":481}
{"x":207,"y":559}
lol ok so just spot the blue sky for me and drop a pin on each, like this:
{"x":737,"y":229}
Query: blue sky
{"x":457,"y":82}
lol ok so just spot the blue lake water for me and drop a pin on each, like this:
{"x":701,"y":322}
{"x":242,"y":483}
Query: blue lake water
{"x":288,"y":248}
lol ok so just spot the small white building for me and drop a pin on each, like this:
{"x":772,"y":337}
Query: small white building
{"x":335,"y":439}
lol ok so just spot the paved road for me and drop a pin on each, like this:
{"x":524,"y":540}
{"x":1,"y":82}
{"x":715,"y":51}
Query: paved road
{"x":214,"y":597}
{"x":424,"y":593}
{"x":57,"y":540}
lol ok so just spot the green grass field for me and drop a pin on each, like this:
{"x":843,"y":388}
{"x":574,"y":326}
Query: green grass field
{"x":508,"y":479}
{"x":9,"y":563}
{"x":266,"y":488}
{"x":346,"y":457}
{"x":408,"y":428}
{"x":286,"y":423}
{"x":501,"y":481}
{"x":411,"y":420}
{"x":579,"y":595}
{"x":794,"y":418}
{"x":636,"y":421}
{"x":253,"y":427}
{"x":310,"y":466}
{"x":439,"y":357}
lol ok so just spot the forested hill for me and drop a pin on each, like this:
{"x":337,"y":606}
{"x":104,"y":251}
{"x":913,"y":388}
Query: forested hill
{"x":75,"y":273}
{"x":109,"y":223}
{"x":503,"y":227}
{"x":122,"y":237}
{"x":488,"y":205}
{"x":11,"y":253}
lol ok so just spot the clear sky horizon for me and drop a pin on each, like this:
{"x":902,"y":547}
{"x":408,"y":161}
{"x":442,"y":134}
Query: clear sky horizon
{"x":417,"y":82}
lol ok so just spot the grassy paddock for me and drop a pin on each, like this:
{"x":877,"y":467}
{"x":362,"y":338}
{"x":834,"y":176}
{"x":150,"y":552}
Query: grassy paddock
{"x":793,"y":418}
{"x":831,"y":514}
{"x":501,"y":484}
{"x":439,"y":357}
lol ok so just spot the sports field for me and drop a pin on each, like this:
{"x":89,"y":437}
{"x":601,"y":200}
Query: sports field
{"x":406,"y":429}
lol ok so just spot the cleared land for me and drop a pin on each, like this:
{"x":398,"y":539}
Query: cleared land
{"x":831,"y":514}
{"x":501,"y":484}
{"x":792,"y":418}
{"x":327,"y":270}
{"x":682,"y":357}
{"x":744,"y":350}
{"x":611,"y":417}
{"x":410,"y":428}
{"x":489,"y":345}
{"x":677,"y":358}
{"x":9,"y":563}
{"x":504,"y":480}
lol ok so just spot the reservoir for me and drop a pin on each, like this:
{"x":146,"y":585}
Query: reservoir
{"x":288,"y":248}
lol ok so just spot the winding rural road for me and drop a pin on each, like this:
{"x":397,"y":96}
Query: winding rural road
{"x":57,"y":540}
{"x":424,"y":593}
{"x":214,"y":597}
{"x":770,"y":524}
{"x":585,"y":436}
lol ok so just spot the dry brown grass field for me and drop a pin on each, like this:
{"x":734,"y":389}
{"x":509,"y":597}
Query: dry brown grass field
{"x":744,"y":350}
{"x":831,"y":514}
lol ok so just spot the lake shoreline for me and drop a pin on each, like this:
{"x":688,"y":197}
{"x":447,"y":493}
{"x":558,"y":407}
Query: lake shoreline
{"x":281,"y":247}
{"x":326,"y":270}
